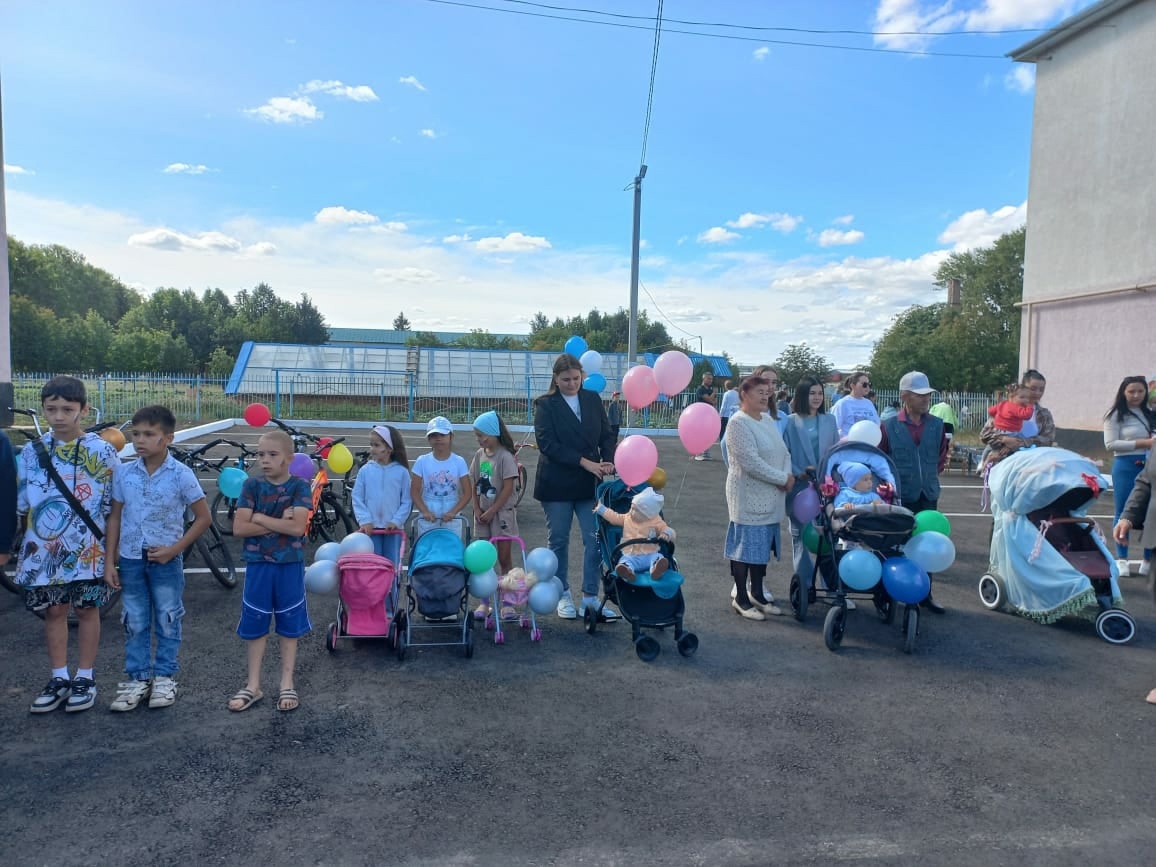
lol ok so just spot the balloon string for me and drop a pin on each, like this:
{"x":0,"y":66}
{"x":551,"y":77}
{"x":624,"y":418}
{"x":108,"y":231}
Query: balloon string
{"x":678,"y":496}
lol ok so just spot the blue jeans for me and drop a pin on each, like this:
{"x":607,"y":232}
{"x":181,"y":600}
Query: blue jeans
{"x":151,"y":601}
{"x":558,"y":522}
{"x":1125,"y":469}
{"x":388,"y":545}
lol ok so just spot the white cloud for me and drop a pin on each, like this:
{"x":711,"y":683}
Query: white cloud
{"x":412,"y":82}
{"x":1021,"y":78}
{"x":287,"y":109}
{"x":429,"y":133}
{"x":839,"y":237}
{"x":515,"y":242}
{"x":10,"y":169}
{"x":784,"y":223}
{"x":357,"y":93}
{"x":167,"y":239}
{"x":919,"y":19}
{"x":760,"y":54}
{"x":456,"y":239}
{"x":339,"y":216}
{"x":979,"y":228}
{"x":717,"y":235}
{"x":261,"y":248}
{"x":845,"y":220}
{"x":405,"y":275}
{"x":395,"y":226}
{"x":186,"y":169}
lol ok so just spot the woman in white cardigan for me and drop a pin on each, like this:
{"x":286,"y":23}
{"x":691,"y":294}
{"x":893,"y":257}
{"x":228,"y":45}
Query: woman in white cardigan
{"x":758,"y":479}
{"x":1128,"y":437}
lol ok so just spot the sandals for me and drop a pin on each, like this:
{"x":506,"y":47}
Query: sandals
{"x":247,"y":697}
{"x":288,"y":700}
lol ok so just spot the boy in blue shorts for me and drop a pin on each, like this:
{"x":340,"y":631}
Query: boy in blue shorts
{"x":272,"y":513}
{"x":65,"y":483}
{"x":147,"y":530}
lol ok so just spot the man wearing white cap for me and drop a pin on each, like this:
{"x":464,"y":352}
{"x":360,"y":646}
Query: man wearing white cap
{"x":917,"y":443}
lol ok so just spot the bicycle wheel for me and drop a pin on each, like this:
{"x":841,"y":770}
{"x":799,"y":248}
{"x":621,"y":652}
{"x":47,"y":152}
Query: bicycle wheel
{"x":330,"y":522}
{"x":223,"y":510}
{"x":520,"y":485}
{"x":213,"y":550}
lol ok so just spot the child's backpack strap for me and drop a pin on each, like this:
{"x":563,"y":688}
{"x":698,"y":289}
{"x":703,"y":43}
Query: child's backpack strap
{"x":75,"y":504}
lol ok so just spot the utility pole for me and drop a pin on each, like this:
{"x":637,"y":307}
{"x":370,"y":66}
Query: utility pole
{"x":632,"y":326}
{"x":6,"y":391}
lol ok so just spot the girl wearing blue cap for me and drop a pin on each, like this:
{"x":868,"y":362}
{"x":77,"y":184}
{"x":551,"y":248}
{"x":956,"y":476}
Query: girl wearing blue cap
{"x":493,"y":472}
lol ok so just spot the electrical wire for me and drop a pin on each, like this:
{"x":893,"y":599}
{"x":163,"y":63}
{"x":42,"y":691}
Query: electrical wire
{"x":653,"y":70}
{"x":662,"y":313}
{"x":731,"y":36}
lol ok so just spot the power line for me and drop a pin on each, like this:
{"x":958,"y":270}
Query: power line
{"x":662,"y":313}
{"x":731,"y":36}
{"x":782,"y":29}
{"x":653,"y":70}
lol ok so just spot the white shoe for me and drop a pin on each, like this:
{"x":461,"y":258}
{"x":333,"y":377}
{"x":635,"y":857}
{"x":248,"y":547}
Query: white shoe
{"x":164,"y":692}
{"x":607,"y":614}
{"x":767,"y":596}
{"x":129,"y":694}
{"x":1145,"y":568}
{"x":566,"y":608}
{"x":1125,"y":568}
{"x":700,"y":457}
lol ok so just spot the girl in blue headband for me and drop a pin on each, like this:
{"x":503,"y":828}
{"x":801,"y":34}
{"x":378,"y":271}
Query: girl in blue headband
{"x":493,"y":471}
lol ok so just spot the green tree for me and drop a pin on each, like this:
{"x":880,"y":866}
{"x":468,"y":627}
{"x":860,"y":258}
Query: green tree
{"x":221,"y":363}
{"x":424,"y":338}
{"x":911,"y":343}
{"x":89,"y":340}
{"x":601,"y":331}
{"x":400,"y":323}
{"x":149,"y":349}
{"x":61,"y":280}
{"x":799,"y":360}
{"x":36,"y":338}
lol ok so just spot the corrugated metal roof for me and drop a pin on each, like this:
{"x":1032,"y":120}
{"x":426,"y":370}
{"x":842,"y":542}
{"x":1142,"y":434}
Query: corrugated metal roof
{"x":391,"y":337}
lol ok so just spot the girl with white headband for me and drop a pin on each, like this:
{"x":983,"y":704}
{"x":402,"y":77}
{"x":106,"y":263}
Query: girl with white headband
{"x":381,"y":491}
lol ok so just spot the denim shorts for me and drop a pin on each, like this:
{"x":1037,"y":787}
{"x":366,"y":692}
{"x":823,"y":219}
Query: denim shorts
{"x":274,"y":591}
{"x":80,"y":594}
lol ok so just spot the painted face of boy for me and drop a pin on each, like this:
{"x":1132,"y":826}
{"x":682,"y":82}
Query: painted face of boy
{"x":273,"y":459}
{"x":150,"y":441}
{"x":63,"y":416}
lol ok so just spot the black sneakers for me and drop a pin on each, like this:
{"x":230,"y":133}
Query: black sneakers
{"x":83,"y":694}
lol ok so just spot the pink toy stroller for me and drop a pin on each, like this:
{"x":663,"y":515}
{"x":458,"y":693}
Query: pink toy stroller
{"x":367,"y":596}
{"x":517,"y":599}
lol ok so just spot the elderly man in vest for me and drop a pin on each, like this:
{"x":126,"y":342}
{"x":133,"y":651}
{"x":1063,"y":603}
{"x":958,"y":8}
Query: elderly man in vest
{"x":917,"y":443}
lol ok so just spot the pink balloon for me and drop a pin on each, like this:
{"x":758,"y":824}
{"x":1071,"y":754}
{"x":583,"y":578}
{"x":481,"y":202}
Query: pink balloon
{"x":639,"y":387}
{"x":698,"y":427}
{"x":635,"y":459}
{"x":672,"y":372}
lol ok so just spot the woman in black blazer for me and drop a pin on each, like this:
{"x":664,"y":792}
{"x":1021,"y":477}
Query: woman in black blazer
{"x":575,"y":452}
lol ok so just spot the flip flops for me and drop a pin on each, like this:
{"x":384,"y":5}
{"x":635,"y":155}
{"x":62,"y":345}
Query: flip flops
{"x":288,"y":697}
{"x":247,"y":697}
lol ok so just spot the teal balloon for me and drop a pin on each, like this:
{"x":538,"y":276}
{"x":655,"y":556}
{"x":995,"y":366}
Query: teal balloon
{"x":480,"y":556}
{"x":575,"y":346}
{"x":860,"y":569}
{"x":230,"y":482}
{"x":932,"y":521}
{"x":595,"y":382}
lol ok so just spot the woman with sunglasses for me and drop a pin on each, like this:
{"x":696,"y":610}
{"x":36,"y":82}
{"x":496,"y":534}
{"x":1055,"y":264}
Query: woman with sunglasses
{"x":856,"y":406}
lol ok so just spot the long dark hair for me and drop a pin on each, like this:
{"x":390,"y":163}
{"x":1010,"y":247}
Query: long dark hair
{"x":1120,"y":405}
{"x":562,"y":363}
{"x":398,"y":454}
{"x":504,"y":438}
{"x":802,"y":401}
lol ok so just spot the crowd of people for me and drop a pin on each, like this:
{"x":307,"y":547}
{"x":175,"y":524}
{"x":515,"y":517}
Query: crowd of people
{"x":93,"y":525}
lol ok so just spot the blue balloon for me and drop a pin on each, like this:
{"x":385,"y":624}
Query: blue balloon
{"x":483,"y":585}
{"x":230,"y":482}
{"x":860,"y":569}
{"x":905,"y":581}
{"x":544,"y":597}
{"x":575,"y":346}
{"x":322,"y":577}
{"x":933,"y":551}
{"x":595,"y":382}
{"x":543,"y":563}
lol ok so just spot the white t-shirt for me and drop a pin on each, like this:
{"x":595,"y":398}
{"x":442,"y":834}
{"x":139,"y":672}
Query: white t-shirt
{"x":572,"y":402}
{"x":852,"y":409}
{"x":440,"y":481}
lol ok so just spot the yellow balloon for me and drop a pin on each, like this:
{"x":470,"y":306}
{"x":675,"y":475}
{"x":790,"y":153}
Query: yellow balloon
{"x":340,"y":458}
{"x":657,"y":479}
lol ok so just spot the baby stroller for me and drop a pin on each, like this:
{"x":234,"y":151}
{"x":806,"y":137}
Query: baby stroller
{"x":645,"y":603}
{"x":514,"y":598}
{"x":881,"y":528}
{"x":437,"y":587}
{"x":1048,"y":558}
{"x":367,"y":597}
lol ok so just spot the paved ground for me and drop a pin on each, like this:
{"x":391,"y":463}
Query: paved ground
{"x":997,"y":742}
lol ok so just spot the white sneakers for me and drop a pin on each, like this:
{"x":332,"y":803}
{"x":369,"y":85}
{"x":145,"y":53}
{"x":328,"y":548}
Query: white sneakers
{"x":566,"y":609}
{"x":162,"y":692}
{"x":1145,"y":568}
{"x":1124,"y":568}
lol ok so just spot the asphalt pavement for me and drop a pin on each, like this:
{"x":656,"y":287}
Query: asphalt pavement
{"x":998,"y":741}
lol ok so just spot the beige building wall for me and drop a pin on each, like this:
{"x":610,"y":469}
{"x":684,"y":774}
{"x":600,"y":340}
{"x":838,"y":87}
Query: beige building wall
{"x":1091,"y":231}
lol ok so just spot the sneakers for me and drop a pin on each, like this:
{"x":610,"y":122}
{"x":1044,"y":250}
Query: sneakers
{"x":129,"y":694}
{"x":1145,"y":568}
{"x":54,"y":694}
{"x":164,"y":692}
{"x":566,"y":609}
{"x":1125,"y":568}
{"x":700,"y":457}
{"x":607,"y":614}
{"x":83,"y":695}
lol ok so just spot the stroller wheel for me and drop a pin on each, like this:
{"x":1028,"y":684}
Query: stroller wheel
{"x":993,"y":592}
{"x":1116,"y":626}
{"x":799,"y":598}
{"x":590,"y":619}
{"x":535,"y":634}
{"x":331,"y":638}
{"x":401,"y":623}
{"x":469,"y":646}
{"x":391,"y":634}
{"x":688,"y":644}
{"x":833,"y":627}
{"x":647,"y":648}
{"x":910,"y":627}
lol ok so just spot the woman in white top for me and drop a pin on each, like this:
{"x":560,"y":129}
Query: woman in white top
{"x":1128,"y":436}
{"x":855,"y":406}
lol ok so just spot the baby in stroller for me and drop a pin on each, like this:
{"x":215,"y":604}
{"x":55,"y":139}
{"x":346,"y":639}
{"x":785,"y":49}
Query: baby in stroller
{"x":643,"y":521}
{"x":858,"y":486}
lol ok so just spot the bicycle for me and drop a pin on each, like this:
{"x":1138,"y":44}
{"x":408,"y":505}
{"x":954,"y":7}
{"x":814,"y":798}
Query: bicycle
{"x":328,"y":518}
{"x":223,"y":509}
{"x":360,"y":459}
{"x":523,"y":480}
{"x":210,"y":545}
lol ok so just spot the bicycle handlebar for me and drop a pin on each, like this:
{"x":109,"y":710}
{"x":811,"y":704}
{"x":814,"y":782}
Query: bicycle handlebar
{"x":300,"y":437}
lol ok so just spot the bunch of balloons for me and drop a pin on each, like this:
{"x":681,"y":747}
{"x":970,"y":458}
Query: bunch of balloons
{"x":930,"y":546}
{"x":323,"y":573}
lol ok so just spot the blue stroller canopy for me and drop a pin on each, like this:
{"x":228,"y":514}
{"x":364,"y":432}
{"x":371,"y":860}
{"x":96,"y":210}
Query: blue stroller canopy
{"x":879,"y":462}
{"x":438,"y":547}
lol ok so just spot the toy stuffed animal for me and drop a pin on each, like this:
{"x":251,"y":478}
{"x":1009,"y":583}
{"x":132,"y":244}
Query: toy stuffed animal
{"x":515,"y":591}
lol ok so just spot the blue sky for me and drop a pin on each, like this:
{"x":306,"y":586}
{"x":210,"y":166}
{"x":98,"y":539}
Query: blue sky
{"x":468,"y":166}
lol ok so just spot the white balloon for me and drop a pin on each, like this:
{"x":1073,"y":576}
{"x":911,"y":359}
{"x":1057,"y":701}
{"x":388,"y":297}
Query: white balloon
{"x":328,"y":551}
{"x":483,"y":585}
{"x":933,"y":551}
{"x":321,"y":577}
{"x":865,"y":431}
{"x":356,"y":543}
{"x":591,"y":361}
